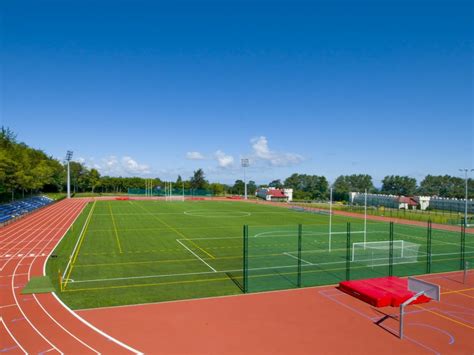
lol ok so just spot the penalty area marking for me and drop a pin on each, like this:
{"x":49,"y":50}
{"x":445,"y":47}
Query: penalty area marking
{"x":217,"y":214}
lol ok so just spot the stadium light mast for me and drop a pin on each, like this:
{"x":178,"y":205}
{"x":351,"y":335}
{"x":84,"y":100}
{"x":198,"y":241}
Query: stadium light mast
{"x":245,"y":164}
{"x":465,"y":171}
{"x":68,"y":159}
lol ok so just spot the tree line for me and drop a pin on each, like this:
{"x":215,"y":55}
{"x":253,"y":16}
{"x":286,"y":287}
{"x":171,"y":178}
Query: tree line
{"x":25,"y":170}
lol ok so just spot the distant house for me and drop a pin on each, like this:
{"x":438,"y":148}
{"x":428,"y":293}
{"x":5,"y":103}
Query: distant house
{"x":407,"y":203}
{"x":274,"y":194}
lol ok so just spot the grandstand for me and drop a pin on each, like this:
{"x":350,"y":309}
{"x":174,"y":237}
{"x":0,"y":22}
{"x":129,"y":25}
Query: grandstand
{"x":13,"y":210}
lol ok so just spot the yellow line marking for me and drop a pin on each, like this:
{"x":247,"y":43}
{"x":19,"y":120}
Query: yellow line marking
{"x":115,"y":229}
{"x":445,"y":317}
{"x":176,"y":231}
{"x":81,"y":239}
{"x":456,"y":291}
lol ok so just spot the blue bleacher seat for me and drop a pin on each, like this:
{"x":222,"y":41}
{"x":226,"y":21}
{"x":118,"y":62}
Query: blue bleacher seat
{"x":14,"y":209}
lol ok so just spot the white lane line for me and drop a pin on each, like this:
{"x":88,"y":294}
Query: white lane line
{"x":197,"y":256}
{"x":11,"y":335}
{"x":118,"y":342}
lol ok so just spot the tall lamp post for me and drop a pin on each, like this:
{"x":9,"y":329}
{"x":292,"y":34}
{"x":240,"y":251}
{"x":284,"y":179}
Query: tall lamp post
{"x":465,"y":171}
{"x":245,"y":164}
{"x":68,"y":159}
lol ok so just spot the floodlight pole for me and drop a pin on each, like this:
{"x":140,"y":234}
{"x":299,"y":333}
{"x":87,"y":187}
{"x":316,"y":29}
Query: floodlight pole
{"x":365,"y":218}
{"x":466,"y":171}
{"x":245,"y":164}
{"x":68,"y":159}
{"x":330,"y":218}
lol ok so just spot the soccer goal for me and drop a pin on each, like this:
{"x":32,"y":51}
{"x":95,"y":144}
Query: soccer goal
{"x":174,"y":198}
{"x":377,"y":253}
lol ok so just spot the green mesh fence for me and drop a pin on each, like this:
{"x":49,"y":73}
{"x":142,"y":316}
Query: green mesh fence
{"x":290,"y":256}
{"x":174,"y":192}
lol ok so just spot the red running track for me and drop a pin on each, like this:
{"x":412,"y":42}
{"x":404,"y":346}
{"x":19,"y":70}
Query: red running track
{"x":42,"y":323}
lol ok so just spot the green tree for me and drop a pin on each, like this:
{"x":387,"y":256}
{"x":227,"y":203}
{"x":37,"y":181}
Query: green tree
{"x":198,"y":180}
{"x":251,"y":187}
{"x":352,"y":183}
{"x":239,"y":187}
{"x":398,"y":185}
{"x":276,"y":184}
{"x":94,"y":179}
{"x":308,"y":187}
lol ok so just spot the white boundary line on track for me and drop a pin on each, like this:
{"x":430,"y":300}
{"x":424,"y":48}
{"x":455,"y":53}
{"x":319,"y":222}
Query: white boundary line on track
{"x":197,"y":256}
{"x":11,"y":335}
{"x":14,"y":293}
{"x":36,"y":299}
{"x":116,"y":341}
{"x":19,"y":232}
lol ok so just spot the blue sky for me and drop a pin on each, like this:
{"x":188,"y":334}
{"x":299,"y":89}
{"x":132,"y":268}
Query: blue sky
{"x":320,"y":87}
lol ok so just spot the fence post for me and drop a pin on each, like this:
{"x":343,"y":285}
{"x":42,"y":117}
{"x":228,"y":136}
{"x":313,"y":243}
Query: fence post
{"x":348,"y":252}
{"x":245,"y":258}
{"x":300,"y":233}
{"x":463,"y":246}
{"x":390,"y":251}
{"x":428,"y":248}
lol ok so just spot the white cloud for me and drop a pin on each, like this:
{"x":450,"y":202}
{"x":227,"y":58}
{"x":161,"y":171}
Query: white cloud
{"x":114,"y":166}
{"x":132,"y":167}
{"x":224,"y":160}
{"x":194,"y":156}
{"x":261,"y":151}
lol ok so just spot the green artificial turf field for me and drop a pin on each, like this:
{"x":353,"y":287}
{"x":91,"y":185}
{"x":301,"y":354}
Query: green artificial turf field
{"x":128,"y":252}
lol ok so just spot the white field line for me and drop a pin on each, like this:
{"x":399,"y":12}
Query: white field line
{"x":11,"y":336}
{"x":275,"y":234}
{"x":197,"y":256}
{"x":203,"y":273}
{"x":236,"y":270}
{"x":150,"y":276}
{"x":77,"y":242}
{"x":432,"y":241}
{"x":295,"y":257}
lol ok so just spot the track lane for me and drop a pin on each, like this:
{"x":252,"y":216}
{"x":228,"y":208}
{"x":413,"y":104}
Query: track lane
{"x":40,"y":323}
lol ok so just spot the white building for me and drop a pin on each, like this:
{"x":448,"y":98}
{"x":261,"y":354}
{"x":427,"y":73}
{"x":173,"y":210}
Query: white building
{"x":421,"y":202}
{"x":274,"y":194}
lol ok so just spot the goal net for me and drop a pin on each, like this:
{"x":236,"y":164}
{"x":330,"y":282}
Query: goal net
{"x":377,"y":253}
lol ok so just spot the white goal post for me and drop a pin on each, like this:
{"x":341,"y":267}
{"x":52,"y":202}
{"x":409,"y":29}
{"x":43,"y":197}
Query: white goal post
{"x":377,"y":253}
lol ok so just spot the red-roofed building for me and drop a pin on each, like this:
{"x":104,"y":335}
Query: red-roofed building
{"x":407,"y":203}
{"x":274,"y":194}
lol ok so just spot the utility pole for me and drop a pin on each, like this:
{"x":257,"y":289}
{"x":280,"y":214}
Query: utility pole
{"x":245,"y":164}
{"x":465,"y":171}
